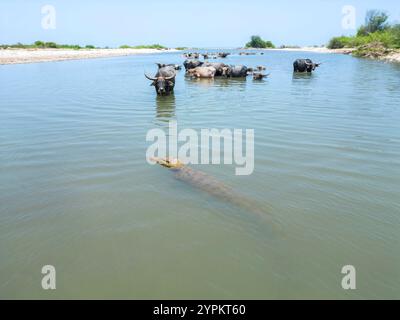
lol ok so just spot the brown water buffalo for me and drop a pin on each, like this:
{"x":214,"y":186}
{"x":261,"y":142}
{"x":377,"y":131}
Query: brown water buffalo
{"x":202,"y":72}
{"x":219,"y":67}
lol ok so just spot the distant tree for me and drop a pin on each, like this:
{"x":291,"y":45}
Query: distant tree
{"x":50,"y":45}
{"x":39,"y":44}
{"x":375,"y":20}
{"x":89,"y":46}
{"x":258,"y":42}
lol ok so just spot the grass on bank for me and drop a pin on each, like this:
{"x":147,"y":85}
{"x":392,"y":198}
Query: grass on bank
{"x":52,"y":45}
{"x":375,"y":35}
{"x":45,"y":45}
{"x":151,"y":46}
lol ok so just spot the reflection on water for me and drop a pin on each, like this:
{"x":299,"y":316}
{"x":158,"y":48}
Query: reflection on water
{"x":236,"y":83}
{"x":202,"y":82}
{"x":165,"y":108}
{"x":77,"y":193}
{"x":302,"y":75}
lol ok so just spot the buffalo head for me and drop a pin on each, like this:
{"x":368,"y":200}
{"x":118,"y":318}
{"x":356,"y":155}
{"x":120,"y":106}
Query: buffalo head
{"x":163,"y":85}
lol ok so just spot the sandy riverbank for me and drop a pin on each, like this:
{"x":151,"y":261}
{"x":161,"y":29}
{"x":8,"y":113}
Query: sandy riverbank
{"x":315,"y":49}
{"x":15,"y":56}
{"x":393,"y":55}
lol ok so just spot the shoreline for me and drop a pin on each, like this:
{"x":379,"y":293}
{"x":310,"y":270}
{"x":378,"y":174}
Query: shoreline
{"x":21,"y":56}
{"x":392,"y":56}
{"x":314,"y":49}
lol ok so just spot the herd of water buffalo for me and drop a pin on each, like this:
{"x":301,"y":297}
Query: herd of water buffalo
{"x":164,"y":79}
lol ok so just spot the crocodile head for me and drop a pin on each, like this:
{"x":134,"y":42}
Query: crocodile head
{"x":169,"y":163}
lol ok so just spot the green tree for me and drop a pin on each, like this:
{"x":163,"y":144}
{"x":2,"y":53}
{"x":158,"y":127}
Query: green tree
{"x":39,"y":44}
{"x":375,"y":20}
{"x":258,"y":42}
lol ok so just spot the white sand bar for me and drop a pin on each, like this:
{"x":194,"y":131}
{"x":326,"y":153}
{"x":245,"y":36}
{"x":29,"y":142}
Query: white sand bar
{"x":14,"y":56}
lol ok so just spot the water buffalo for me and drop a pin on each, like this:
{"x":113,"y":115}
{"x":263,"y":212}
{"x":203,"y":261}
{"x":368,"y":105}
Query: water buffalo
{"x":250,"y":70}
{"x":219,"y":67}
{"x":259,"y":76}
{"x":191,"y":64}
{"x":164,"y":80}
{"x":223,"y":54}
{"x":163,"y":65}
{"x":235,"y":71}
{"x":260,"y":68}
{"x":202,"y":72}
{"x":304,"y":65}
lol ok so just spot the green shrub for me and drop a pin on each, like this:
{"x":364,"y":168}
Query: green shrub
{"x":336,"y":43}
{"x":50,"y":45}
{"x":39,"y":44}
{"x":376,"y":32}
{"x":394,"y":31}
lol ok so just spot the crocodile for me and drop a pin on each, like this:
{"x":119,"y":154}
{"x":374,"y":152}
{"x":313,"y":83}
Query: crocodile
{"x":210,"y":185}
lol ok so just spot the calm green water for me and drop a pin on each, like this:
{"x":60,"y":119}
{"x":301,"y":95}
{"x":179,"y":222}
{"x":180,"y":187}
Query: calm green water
{"x":77,"y":193}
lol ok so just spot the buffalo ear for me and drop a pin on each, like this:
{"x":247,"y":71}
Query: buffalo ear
{"x":170,"y":83}
{"x":152,"y":84}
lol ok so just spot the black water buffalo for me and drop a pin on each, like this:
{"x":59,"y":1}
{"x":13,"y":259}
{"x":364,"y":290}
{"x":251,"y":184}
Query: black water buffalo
{"x":238,"y":71}
{"x":250,"y":70}
{"x":191,"y":64}
{"x":163,"y":65}
{"x":223,"y":54}
{"x":192,"y":55}
{"x":304,"y":65}
{"x":219,"y":67}
{"x":164,"y":80}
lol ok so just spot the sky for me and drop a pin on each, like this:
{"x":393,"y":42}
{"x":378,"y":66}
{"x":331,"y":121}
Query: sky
{"x":173,"y":23}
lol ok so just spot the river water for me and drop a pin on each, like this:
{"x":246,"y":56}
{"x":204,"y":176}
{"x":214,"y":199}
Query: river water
{"x":77,"y":193}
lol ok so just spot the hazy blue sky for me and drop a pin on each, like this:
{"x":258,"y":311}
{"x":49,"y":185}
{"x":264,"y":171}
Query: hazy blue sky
{"x":204,"y":23}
